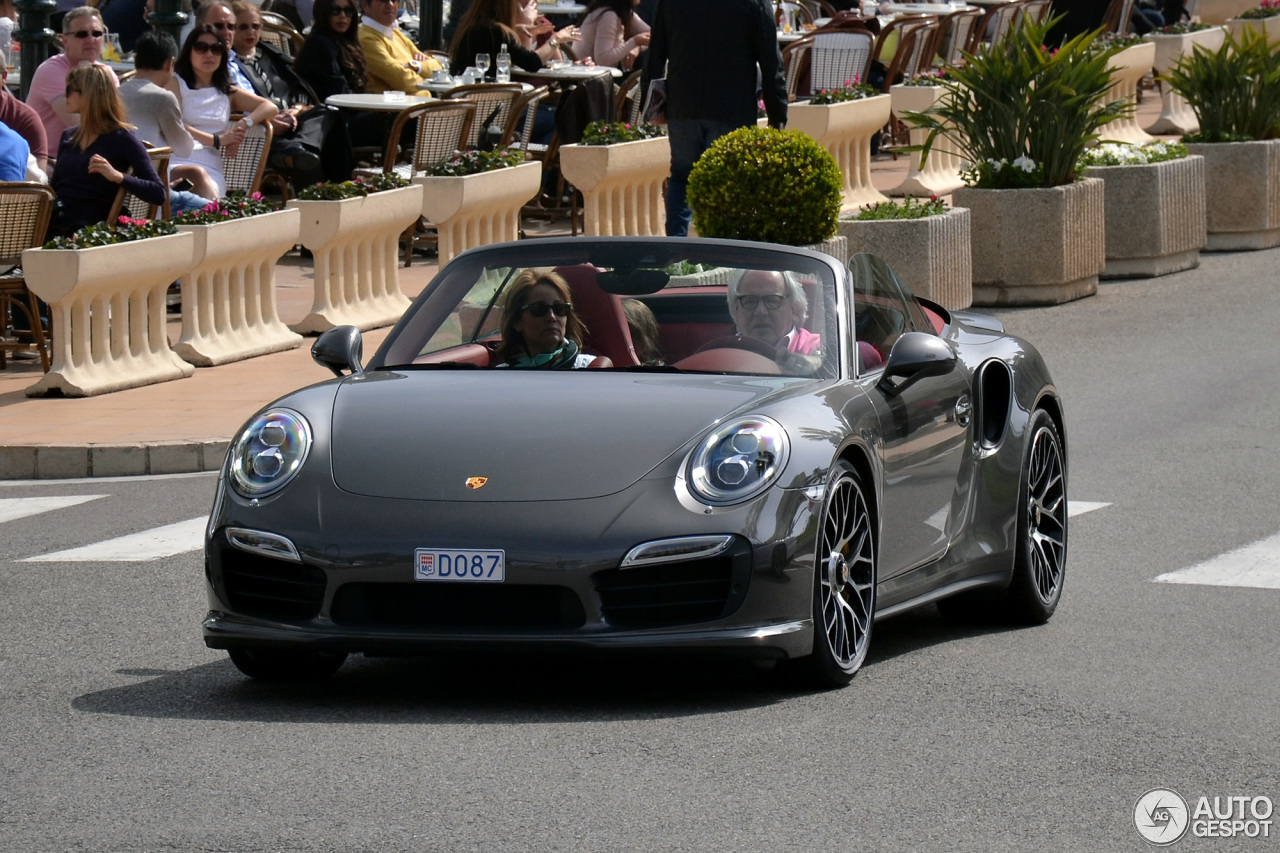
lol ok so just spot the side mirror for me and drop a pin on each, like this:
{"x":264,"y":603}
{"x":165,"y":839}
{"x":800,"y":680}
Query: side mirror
{"x":914,"y":356}
{"x":339,"y":349}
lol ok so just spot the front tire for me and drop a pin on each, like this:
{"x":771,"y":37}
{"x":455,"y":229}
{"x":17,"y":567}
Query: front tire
{"x":1040,"y":562}
{"x":844,"y":589}
{"x":282,"y":665}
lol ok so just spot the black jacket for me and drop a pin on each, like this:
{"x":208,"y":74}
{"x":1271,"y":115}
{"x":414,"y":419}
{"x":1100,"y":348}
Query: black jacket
{"x":711,"y":50}
{"x":287,"y":87}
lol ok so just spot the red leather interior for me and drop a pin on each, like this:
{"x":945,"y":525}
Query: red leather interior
{"x":607,"y":331}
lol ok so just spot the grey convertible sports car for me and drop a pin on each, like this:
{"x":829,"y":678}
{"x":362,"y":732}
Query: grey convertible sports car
{"x":778,"y":451}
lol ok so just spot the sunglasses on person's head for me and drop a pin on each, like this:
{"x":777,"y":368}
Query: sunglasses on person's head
{"x":88,"y":34}
{"x":771,"y":303}
{"x":246,"y":27}
{"x":348,"y":11}
{"x":540,"y":309}
{"x":208,"y":47}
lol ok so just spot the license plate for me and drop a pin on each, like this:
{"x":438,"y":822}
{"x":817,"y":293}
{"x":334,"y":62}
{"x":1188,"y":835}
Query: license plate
{"x":439,"y":564}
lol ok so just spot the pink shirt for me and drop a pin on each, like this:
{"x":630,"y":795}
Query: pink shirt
{"x":804,"y":342}
{"x":607,"y":42}
{"x":47,"y":85}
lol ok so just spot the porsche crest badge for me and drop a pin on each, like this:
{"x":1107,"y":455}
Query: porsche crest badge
{"x":476,"y":482}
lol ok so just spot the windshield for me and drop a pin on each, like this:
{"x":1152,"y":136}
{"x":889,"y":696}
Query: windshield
{"x":683,"y":305}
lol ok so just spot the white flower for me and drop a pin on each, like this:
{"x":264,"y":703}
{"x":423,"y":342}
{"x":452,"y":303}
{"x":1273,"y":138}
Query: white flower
{"x":1025,"y":163}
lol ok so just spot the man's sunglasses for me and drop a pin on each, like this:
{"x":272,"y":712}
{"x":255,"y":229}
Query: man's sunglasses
{"x":208,"y":47}
{"x":88,"y":34}
{"x":223,"y":26}
{"x":771,"y":303}
{"x":348,"y":11}
{"x":244,"y":28}
{"x":540,"y":309}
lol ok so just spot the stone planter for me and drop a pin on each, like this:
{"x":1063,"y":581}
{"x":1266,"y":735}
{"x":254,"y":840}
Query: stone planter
{"x":1243,"y":202}
{"x":1155,"y":217}
{"x":940,"y":174}
{"x":1176,"y":117}
{"x":1036,"y":246}
{"x":356,"y":243}
{"x":931,"y":255}
{"x":621,"y":186}
{"x":1128,"y":67}
{"x":229,"y":295}
{"x":475,"y":210}
{"x":109,"y":314}
{"x":837,"y":247}
{"x":1268,"y":28}
{"x":1219,"y":11}
{"x":845,"y":129}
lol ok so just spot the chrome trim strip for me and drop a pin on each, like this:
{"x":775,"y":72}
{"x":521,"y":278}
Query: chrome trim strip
{"x":259,"y":541}
{"x":700,"y":547}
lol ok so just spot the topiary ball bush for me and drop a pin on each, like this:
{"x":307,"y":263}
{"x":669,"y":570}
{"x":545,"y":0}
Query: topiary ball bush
{"x":774,"y":186}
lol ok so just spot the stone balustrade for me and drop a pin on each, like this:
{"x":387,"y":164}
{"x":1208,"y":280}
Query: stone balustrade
{"x":621,"y":185}
{"x":1176,"y":117}
{"x":1128,"y":67}
{"x":475,"y":210}
{"x":109,"y":314}
{"x":940,"y":174}
{"x":845,"y":129}
{"x":229,"y":295}
{"x":356,"y":244}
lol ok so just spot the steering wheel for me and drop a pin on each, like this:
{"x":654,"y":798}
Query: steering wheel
{"x":754,"y":345}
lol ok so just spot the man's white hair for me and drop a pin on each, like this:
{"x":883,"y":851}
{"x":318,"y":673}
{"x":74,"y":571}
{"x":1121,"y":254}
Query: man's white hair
{"x":795,"y":290}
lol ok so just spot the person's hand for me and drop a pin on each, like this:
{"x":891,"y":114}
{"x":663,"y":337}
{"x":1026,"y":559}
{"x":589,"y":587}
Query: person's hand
{"x":587,"y":61}
{"x":419,"y":57}
{"x":98,"y":165}
{"x":233,"y":136}
{"x":641,"y":39}
{"x":567,"y":35}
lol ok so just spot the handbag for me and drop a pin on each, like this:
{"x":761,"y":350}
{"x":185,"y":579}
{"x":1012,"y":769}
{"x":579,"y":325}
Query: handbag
{"x":655,"y":103}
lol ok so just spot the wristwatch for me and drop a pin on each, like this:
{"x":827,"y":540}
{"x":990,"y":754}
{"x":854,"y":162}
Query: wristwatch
{"x":247,"y":122}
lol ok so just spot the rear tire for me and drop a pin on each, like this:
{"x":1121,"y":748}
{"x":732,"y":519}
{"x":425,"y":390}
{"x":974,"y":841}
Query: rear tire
{"x":844,"y":587}
{"x":285,"y":665}
{"x":1040,"y":562}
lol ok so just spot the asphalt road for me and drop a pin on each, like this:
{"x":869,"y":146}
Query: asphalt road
{"x":119,"y":731}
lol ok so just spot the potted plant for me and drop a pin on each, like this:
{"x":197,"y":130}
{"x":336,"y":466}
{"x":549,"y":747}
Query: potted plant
{"x":925,"y":242}
{"x":1022,"y":115}
{"x":1264,"y":18}
{"x":1218,"y":12}
{"x":620,"y":168}
{"x":940,"y":175}
{"x":843,"y":121}
{"x":736,"y":187}
{"x":1172,"y":43}
{"x":353,"y":229}
{"x":229,"y":294}
{"x":1130,"y":58}
{"x":475,"y":198}
{"x":1155,"y":207}
{"x":1235,"y":94}
{"x":106,"y":290}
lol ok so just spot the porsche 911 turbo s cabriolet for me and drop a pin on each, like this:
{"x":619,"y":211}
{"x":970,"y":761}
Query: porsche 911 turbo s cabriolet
{"x":765,"y":452}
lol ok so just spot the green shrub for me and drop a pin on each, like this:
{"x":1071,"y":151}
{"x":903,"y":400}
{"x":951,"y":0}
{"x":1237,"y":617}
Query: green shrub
{"x":774,"y":186}
{"x":474,"y":162}
{"x":353,"y":188}
{"x":237,"y":205}
{"x":1234,"y":90}
{"x":1268,"y":9}
{"x":126,"y":231}
{"x":1021,"y":113}
{"x":908,"y":208}
{"x":601,"y":132}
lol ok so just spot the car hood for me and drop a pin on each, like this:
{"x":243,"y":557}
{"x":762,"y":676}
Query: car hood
{"x":425,"y":434}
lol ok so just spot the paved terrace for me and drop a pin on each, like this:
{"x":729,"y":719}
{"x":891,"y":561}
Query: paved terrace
{"x":186,"y":425}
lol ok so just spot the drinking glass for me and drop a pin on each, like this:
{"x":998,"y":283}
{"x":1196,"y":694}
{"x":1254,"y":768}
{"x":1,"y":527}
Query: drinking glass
{"x":482,"y":63}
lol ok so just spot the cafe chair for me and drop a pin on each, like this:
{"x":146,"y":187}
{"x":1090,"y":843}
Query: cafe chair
{"x":128,"y":204}
{"x":825,"y":60}
{"x":630,"y":99}
{"x":25,"y":209}
{"x":955,"y":32}
{"x":913,"y":39}
{"x":494,"y":104}
{"x":278,"y":31}
{"x":243,"y":172}
{"x":519,"y":130}
{"x":994,"y":26}
{"x":1117,"y":17}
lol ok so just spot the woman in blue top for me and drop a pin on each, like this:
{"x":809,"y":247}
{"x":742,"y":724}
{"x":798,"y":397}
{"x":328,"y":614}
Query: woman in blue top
{"x":94,"y":158}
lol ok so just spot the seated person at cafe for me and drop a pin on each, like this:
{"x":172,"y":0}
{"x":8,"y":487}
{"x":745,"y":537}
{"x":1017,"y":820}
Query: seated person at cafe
{"x":332,"y":63}
{"x":83,"y":35}
{"x":305,"y":133}
{"x":94,"y":158}
{"x":539,"y":328}
{"x":485,"y":28}
{"x":157,"y":117}
{"x":391,"y":58}
{"x":25,"y":121}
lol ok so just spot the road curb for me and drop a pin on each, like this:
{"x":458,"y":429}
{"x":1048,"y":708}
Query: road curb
{"x":74,"y":461}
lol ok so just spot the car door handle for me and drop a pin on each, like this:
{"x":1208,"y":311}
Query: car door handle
{"x":964,"y":410}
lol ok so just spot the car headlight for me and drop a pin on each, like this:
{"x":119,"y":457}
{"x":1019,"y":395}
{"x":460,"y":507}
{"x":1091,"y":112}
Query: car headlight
{"x":738,"y":461}
{"x":269,"y":453}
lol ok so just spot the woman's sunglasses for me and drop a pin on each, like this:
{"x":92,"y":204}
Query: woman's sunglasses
{"x":348,"y":11}
{"x":244,"y":28}
{"x":540,"y":309}
{"x":208,"y":47}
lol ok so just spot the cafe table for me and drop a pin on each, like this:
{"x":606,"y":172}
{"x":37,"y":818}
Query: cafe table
{"x":573,"y":72}
{"x":361,"y":101}
{"x":554,"y":9}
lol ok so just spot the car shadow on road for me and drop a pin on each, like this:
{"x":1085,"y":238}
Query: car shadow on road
{"x":492,"y":688}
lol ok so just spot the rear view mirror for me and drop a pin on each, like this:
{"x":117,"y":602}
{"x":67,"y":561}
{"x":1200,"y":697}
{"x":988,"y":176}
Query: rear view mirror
{"x":914,"y":356}
{"x":340,"y":349}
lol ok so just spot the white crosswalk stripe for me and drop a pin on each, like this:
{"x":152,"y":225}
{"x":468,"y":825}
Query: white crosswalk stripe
{"x":166,"y":541}
{"x":12,"y":509}
{"x":1256,"y":566}
{"x":1075,"y":508}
